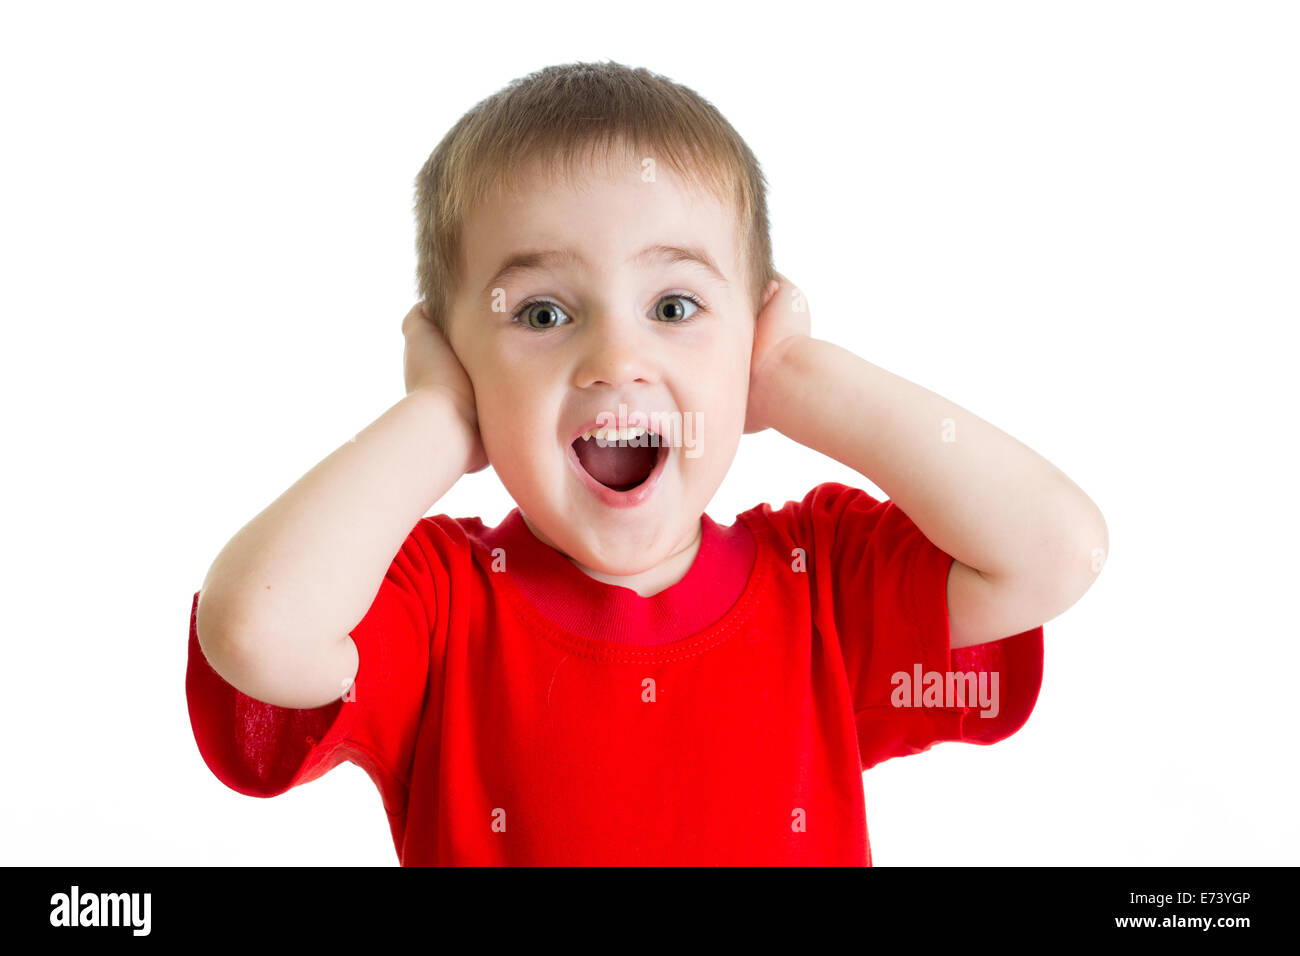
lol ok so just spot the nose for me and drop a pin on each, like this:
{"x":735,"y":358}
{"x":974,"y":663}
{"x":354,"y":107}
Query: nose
{"x":615,"y":353}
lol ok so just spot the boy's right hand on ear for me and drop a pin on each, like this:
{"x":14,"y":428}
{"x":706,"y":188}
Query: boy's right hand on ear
{"x":429,"y":362}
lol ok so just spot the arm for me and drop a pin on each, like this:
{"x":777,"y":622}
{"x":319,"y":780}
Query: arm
{"x":1025,"y":540}
{"x":279,"y":601}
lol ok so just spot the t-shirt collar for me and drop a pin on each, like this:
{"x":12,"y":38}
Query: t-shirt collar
{"x":579,"y":603}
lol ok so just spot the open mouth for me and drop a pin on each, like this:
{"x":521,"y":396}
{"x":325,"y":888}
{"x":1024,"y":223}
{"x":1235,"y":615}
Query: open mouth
{"x":621,"y":461}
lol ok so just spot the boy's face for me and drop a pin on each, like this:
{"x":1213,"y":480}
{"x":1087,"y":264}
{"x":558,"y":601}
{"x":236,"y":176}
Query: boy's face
{"x":608,"y":334}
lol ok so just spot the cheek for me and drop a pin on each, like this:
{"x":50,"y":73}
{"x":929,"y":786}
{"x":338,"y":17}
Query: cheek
{"x":716,"y":365}
{"x":717,"y":396}
{"x":518,"y":420}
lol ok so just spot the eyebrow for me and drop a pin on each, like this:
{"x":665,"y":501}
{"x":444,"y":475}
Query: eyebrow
{"x":537,"y":260}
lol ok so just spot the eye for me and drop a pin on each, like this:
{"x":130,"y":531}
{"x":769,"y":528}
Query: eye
{"x":541,"y":314}
{"x":677,"y":308}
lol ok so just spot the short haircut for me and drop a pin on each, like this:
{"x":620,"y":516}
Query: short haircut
{"x":563,"y":114}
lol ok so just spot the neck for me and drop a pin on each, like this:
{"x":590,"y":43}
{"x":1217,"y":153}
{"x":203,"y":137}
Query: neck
{"x":649,"y":582}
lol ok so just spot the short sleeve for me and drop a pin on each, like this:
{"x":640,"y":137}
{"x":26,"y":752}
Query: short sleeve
{"x":887,"y":585}
{"x":262,"y":750}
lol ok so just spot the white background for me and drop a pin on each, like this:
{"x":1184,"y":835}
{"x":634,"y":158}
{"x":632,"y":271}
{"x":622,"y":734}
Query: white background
{"x":1079,"y":221}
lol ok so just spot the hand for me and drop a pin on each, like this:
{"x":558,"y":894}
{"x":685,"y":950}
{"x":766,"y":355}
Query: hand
{"x":429,"y":362}
{"x":783,"y":320}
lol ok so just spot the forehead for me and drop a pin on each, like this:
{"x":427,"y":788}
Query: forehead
{"x":605,"y":214}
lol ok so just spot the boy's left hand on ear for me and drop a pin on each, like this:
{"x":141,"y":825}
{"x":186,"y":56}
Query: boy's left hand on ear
{"x":783,"y":319}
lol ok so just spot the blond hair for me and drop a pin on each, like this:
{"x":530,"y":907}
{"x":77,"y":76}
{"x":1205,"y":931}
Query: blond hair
{"x":563,"y":114}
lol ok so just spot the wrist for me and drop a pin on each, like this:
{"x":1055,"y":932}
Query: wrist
{"x":437,"y":392}
{"x":454,"y":407}
{"x":772,"y":381}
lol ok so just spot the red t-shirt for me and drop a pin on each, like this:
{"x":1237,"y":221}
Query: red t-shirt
{"x":512,"y":710}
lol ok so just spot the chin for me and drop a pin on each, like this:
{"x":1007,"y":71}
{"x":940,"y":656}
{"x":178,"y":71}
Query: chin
{"x":613,"y":541}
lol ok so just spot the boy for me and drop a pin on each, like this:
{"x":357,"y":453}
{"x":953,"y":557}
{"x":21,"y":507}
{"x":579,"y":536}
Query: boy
{"x":608,"y":676}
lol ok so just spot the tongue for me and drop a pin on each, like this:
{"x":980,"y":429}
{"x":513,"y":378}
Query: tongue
{"x":619,"y":467}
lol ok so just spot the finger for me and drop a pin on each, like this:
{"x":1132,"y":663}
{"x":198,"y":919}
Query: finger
{"x":417,"y":314}
{"x":773,"y":288}
{"x":787,"y":288}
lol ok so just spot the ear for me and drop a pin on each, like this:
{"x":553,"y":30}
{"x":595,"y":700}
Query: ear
{"x":769,"y":290}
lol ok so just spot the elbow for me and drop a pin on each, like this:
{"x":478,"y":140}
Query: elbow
{"x":1076,"y":564}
